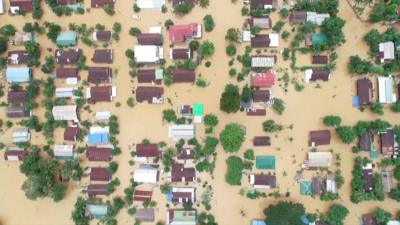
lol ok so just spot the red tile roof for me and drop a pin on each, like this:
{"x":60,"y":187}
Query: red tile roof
{"x":99,"y":154}
{"x":266,"y":79}
{"x":99,"y":174}
{"x":147,"y":150}
{"x":71,"y":133}
{"x":24,"y":5}
{"x":179,"y":33}
{"x":97,"y":189}
{"x":67,"y":73}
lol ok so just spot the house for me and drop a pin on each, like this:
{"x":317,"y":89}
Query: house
{"x":183,"y":76}
{"x":265,"y":79}
{"x":22,"y":37}
{"x":18,"y":57}
{"x":261,"y":141}
{"x":181,"y":217}
{"x":311,"y":75}
{"x":142,"y":196}
{"x":14,"y":154}
{"x":18,"y":74}
{"x":150,"y":39}
{"x":319,"y":137}
{"x":150,"y":75}
{"x":71,"y":133}
{"x":387,"y":181}
{"x":99,"y":154}
{"x":181,"y":195}
{"x":16,"y":96}
{"x":385,"y":90}
{"x":182,"y":131}
{"x":364,"y":92}
{"x":1,"y":7}
{"x":297,"y":17}
{"x":317,"y":185}
{"x":68,"y":57}
{"x":317,"y":18}
{"x":185,"y":110}
{"x":386,"y":51}
{"x":21,"y":135}
{"x":318,"y":160}
{"x":66,"y":2}
{"x":261,"y":22}
{"x":265,"y":162}
{"x":100,"y":94}
{"x":101,"y":36}
{"x":180,"y":54}
{"x":319,"y":59}
{"x":101,"y":3}
{"x":263,"y":96}
{"x":179,"y":2}
{"x":181,"y":33}
{"x":146,"y":173}
{"x":99,"y":75}
{"x":96,"y":211}
{"x":152,"y":95}
{"x":146,"y":151}
{"x":263,"y":4}
{"x":68,"y":92}
{"x":185,"y":154}
{"x":103,"y":56}
{"x":263,"y":61}
{"x":65,"y":112}
{"x":263,"y":181}
{"x":67,"y":73}
{"x":388,"y":144}
{"x":145,"y":215}
{"x":393,"y":222}
{"x":331,"y":183}
{"x":99,"y":174}
{"x":94,"y":190}
{"x":151,"y":4}
{"x":365,"y":142}
{"x":17,"y":112}
{"x":368,"y":177}
{"x":64,"y":152}
{"x":20,"y":5}
{"x":68,"y":38}
{"x":98,"y":138}
{"x":260,"y":41}
{"x":181,"y":174}
{"x":368,"y":219}
{"x":148,"y":53}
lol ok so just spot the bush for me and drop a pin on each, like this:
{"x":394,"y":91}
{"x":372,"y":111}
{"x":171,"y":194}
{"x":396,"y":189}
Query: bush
{"x":395,"y":107}
{"x":232,"y":137}
{"x":234,"y":174}
{"x":209,"y":23}
{"x":168,"y":23}
{"x":230,"y":99}
{"x":169,"y":115}
{"x":346,"y":134}
{"x":134,"y":31}
{"x":249,"y":154}
{"x":183,"y":8}
{"x":232,"y":72}
{"x":377,"y":108}
{"x":270,"y":126}
{"x":278,"y":26}
{"x":112,"y":167}
{"x":332,"y":121}
{"x":206,"y":49}
{"x":211,"y":120}
{"x":284,"y":13}
{"x":130,"y":102}
{"x":109,"y":9}
{"x":204,"y":3}
{"x":232,"y":34}
{"x":136,"y":8}
{"x":231,"y":50}
{"x":278,"y":106}
{"x":8,"y":30}
{"x":37,"y":11}
{"x":396,"y":173}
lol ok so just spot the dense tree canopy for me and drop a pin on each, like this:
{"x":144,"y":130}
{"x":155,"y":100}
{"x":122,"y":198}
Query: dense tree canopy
{"x":284,"y":213}
{"x":232,"y":137}
{"x":230,"y":99}
{"x":233,"y":175}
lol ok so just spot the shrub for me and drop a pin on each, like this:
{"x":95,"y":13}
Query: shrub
{"x":249,"y":154}
{"x":346,"y":134}
{"x":332,"y":121}
{"x":377,"y":108}
{"x":270,"y":126}
{"x":234,"y":174}
{"x":211,"y":120}
{"x":232,"y":137}
{"x":209,"y":23}
{"x":231,"y":50}
{"x":278,"y":106}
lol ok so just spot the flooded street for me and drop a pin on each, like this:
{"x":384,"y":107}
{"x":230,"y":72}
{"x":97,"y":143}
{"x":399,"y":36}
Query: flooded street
{"x":304,"y":110}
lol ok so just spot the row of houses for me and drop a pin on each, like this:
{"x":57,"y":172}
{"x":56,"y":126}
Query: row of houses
{"x":386,"y":93}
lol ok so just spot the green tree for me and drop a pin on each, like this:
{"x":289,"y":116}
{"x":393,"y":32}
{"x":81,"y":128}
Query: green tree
{"x":246,"y":93}
{"x":381,"y":216}
{"x":332,"y":28}
{"x":278,"y":106}
{"x":395,"y":107}
{"x":332,"y":121}
{"x":204,"y":3}
{"x":284,"y":13}
{"x":211,"y":120}
{"x":396,"y":173}
{"x":249,"y":154}
{"x":169,"y":115}
{"x":37,"y":11}
{"x":183,"y":8}
{"x":232,"y":137}
{"x":52,"y":31}
{"x":377,"y":108}
{"x":134,"y":31}
{"x":284,"y":213}
{"x":271,"y":126}
{"x":8,"y":30}
{"x":232,"y":34}
{"x":206,"y":49}
{"x":278,"y":26}
{"x":109,"y":9}
{"x":233,"y":175}
{"x":346,"y":134}
{"x":231,"y":49}
{"x":79,"y":213}
{"x":209,"y":23}
{"x":230,"y":99}
{"x":336,"y":215}
{"x":359,"y":66}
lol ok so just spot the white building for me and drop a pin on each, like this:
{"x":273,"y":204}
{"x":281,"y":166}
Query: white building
{"x":64,"y":152}
{"x":385,"y":90}
{"x":148,"y":53}
{"x":318,"y":160}
{"x":146,"y":174}
{"x":66,"y":112}
{"x":150,"y":4}
{"x":21,"y":135}
{"x":184,"y":131}
{"x":386,"y":51}
{"x":274,"y":40}
{"x":317,"y":18}
{"x":68,"y":92}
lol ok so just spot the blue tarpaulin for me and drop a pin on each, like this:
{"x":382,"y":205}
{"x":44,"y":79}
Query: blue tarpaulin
{"x":356,"y":101}
{"x":304,"y":219}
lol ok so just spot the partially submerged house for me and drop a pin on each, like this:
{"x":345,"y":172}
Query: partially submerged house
{"x":99,"y":154}
{"x":185,"y":155}
{"x":94,"y":190}
{"x":263,"y":96}
{"x":312,"y":75}
{"x":331,"y":186}
{"x":386,"y":52}
{"x":180,"y":2}
{"x":17,"y":57}
{"x":150,"y":75}
{"x":388,"y":143}
{"x":261,"y":22}
{"x":98,"y":135}
{"x":96,"y":211}
{"x":66,"y":2}
{"x":145,"y":215}
{"x":21,"y":135}
{"x":101,"y":3}
{"x":257,"y":112}
{"x":99,"y":174}
{"x":68,"y":38}
{"x":365,"y":141}
{"x":318,"y":186}
{"x":70,"y":74}
{"x":181,"y":195}
{"x":103,"y":56}
{"x":181,"y":131}
{"x":18,"y":112}
{"x":65,"y":112}
{"x":14,"y":154}
{"x":63,"y":152}
{"x":318,"y":160}
{"x":263,"y":61}
{"x":151,"y":4}
{"x":368,"y":177}
{"x":152,"y":95}
{"x":385,"y":90}
{"x":263,"y":80}
{"x":263,"y":4}
{"x":265,"y":40}
{"x":68,"y":57}
{"x":319,"y":59}
{"x":20,"y":5}
{"x":99,"y":75}
{"x":100,"y":94}
{"x":66,"y":92}
{"x":142,"y":195}
{"x":364,"y":91}
{"x":1,"y":7}
{"x":71,"y":133}
{"x":179,"y":217}
{"x":181,"y":174}
{"x":259,"y":141}
{"x":148,"y":53}
{"x":263,"y":181}
{"x":181,"y":33}
{"x":150,"y":39}
{"x":319,"y":137}
{"x":16,"y":96}
{"x":102,"y":36}
{"x":297,"y":17}
{"x":146,"y":173}
{"x":183,"y":76}
{"x":180,"y":53}
{"x":317,"y":18}
{"x":146,"y":151}
{"x":18,"y":74}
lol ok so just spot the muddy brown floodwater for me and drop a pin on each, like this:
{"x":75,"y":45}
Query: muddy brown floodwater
{"x":303,"y":109}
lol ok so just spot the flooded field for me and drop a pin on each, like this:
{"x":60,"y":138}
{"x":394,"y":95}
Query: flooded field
{"x":304,"y":110}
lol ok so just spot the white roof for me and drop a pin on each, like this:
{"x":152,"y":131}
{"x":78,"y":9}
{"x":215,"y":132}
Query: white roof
{"x":387,"y":48}
{"x":150,"y":4}
{"x":246,"y":36}
{"x":307,"y":75}
{"x":262,"y":61}
{"x":103,"y":115}
{"x":317,"y":18}
{"x":66,"y":92}
{"x":155,"y":30}
{"x":393,"y":222}
{"x":1,"y":6}
{"x":331,"y":183}
{"x":274,"y":40}
{"x":146,"y":174}
{"x":148,"y":53}
{"x":177,"y":132}
{"x":21,"y":135}
{"x":385,"y":89}
{"x":99,"y":130}
{"x":66,"y":112}
{"x":63,"y":150}
{"x":319,"y":159}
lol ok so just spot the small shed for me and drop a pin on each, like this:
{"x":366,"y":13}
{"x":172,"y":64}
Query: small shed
{"x":331,"y":183}
{"x":181,"y":131}
{"x":68,"y":38}
{"x":368,"y":219}
{"x":146,"y":173}
{"x":257,"y":222}
{"x":98,"y":154}
{"x":64,"y":152}
{"x":71,"y":133}
{"x":151,"y":4}
{"x":386,"y":51}
{"x":145,"y":215}
{"x":150,"y":39}
{"x":94,"y":190}
{"x":100,"y":75}
{"x":257,"y":112}
{"x":261,"y":141}
{"x":99,"y":174}
{"x":21,"y":135}
{"x":306,"y":187}
{"x":18,"y":74}
{"x":96,"y":211}
{"x":103,"y":56}
{"x":368,"y":178}
{"x":181,"y":174}
{"x":198,"y":113}
{"x":319,"y":137}
{"x":22,"y":37}
{"x":103,"y":115}
{"x":65,"y":112}
{"x":265,"y":162}
{"x":263,"y":181}
{"x":66,"y":92}
{"x":185,"y":154}
{"x":14,"y":154}
{"x":152,"y":95}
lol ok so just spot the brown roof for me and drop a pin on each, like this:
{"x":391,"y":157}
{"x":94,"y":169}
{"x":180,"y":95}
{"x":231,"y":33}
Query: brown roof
{"x":147,"y":93}
{"x":69,"y":56}
{"x":97,"y":189}
{"x":365,"y":141}
{"x":142,"y":196}
{"x":150,"y":39}
{"x":261,"y":3}
{"x":103,"y":56}
{"x":178,"y":2}
{"x":17,"y":112}
{"x":387,"y":143}
{"x":103,"y":35}
{"x":146,"y":75}
{"x":183,"y":76}
{"x":100,"y":94}
{"x":369,"y":220}
{"x":260,"y":41}
{"x":297,"y":17}
{"x":99,"y":174}
{"x":257,"y":112}
{"x":319,"y":137}
{"x":101,"y":3}
{"x":185,"y":154}
{"x":320,"y":75}
{"x":266,"y":22}
{"x":178,"y":197}
{"x":67,"y":73}
{"x":20,"y":154}
{"x":181,"y":174}
{"x":319,"y":59}
{"x":98,"y":154}
{"x":17,"y":57}
{"x":71,"y":133}
{"x":317,"y":185}
{"x":368,"y":180}
{"x":181,"y":53}
{"x":147,"y":150}
{"x":265,"y":179}
{"x":66,"y":2}
{"x":16,"y":96}
{"x":364,"y":91}
{"x":24,"y":5}
{"x":261,"y":141}
{"x":261,"y":95}
{"x":99,"y":75}
{"x":145,"y":215}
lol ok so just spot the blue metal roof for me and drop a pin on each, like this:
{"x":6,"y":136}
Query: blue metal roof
{"x":100,"y":138}
{"x":257,"y":222}
{"x":18,"y":74}
{"x":97,"y":211}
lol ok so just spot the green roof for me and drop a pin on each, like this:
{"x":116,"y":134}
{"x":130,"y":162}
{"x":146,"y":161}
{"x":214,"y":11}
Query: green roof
{"x":198,"y":109}
{"x":67,"y":38}
{"x":184,"y":216}
{"x":318,"y":38}
{"x":159,"y":74}
{"x":97,"y":211}
{"x":265,"y":162}
{"x":306,"y":187}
